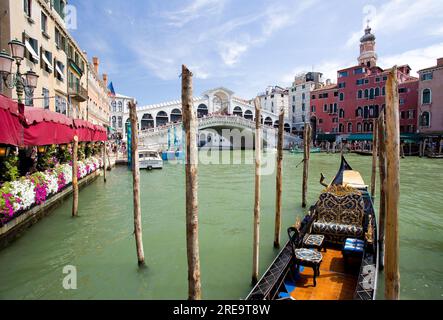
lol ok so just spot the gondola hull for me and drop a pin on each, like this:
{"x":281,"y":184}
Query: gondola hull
{"x":360,"y":285}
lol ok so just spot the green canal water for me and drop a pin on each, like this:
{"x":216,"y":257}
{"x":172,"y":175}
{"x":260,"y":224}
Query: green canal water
{"x":101,"y":246}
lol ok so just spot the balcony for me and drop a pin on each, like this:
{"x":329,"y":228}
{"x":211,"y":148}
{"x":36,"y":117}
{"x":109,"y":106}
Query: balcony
{"x":77,"y":92}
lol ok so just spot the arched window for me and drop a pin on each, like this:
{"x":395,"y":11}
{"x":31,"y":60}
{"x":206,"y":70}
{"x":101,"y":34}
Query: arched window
{"x":341,"y":113}
{"x":287,"y":127}
{"x":383,"y":91}
{"x":370,"y":127}
{"x":371,"y":93}
{"x":202,"y":110}
{"x":147,"y":121}
{"x":114,"y":122}
{"x":161,"y":118}
{"x":120,"y":106}
{"x":238,"y":112}
{"x":276,"y":124}
{"x":359,"y":112}
{"x":360,"y":94}
{"x":358,"y":127}
{"x":176,"y":115}
{"x":377,"y":92}
{"x":114,"y":106}
{"x":341,"y":128}
{"x":349,"y":127}
{"x":342,"y":96}
{"x":366,"y":93}
{"x":268,"y":121}
{"x":120,"y":122}
{"x":425,"y":119}
{"x":249,"y":115}
{"x":426,"y":96}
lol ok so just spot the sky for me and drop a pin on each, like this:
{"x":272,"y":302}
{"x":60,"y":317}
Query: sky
{"x":246,"y":45}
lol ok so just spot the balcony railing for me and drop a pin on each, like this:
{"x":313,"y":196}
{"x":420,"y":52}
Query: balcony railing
{"x":77,"y":92}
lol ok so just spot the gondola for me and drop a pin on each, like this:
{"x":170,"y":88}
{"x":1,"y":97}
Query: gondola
{"x":298,"y":150}
{"x":347,"y":269}
{"x":362,"y":153}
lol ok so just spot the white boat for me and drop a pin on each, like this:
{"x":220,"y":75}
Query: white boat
{"x":149,"y":159}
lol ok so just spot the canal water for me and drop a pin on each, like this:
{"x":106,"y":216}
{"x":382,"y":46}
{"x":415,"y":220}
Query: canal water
{"x":101,"y":246}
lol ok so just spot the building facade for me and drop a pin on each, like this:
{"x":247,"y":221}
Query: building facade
{"x":350,"y":106}
{"x":299,"y":95}
{"x":430,"y":99}
{"x":119,"y":110}
{"x":52,"y":53}
{"x":273,"y":100}
{"x":98,"y":98}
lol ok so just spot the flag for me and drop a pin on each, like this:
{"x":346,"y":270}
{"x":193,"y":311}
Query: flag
{"x":111,"y":89}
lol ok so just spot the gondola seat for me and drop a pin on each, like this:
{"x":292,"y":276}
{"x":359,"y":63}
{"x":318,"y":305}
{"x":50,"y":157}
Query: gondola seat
{"x":339,"y":216}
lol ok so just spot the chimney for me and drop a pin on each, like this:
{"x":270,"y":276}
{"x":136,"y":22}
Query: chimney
{"x":105,"y":79}
{"x":96,"y":63}
{"x":328,"y":82}
{"x":440,"y":62}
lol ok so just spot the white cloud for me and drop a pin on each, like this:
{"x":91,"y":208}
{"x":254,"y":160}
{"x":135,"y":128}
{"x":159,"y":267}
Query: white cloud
{"x":417,"y":59}
{"x":398,"y":15}
{"x":231,"y":52}
{"x":194,"y":10}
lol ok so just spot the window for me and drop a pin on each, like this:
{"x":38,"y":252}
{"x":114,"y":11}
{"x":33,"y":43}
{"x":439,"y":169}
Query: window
{"x":349,"y":127}
{"x":377,"y":79}
{"x":303,"y":96}
{"x":29,"y":101}
{"x":366,"y":81}
{"x":425,"y":119}
{"x":427,"y":76}
{"x":342,"y":74}
{"x":383,"y":91}
{"x":336,"y":94}
{"x":114,"y":122}
{"x":325,"y":108}
{"x":335,"y":108}
{"x":366,"y":93}
{"x":313,"y":97}
{"x":359,"y":112}
{"x":359,"y":82}
{"x":59,"y":70}
{"x":58,"y":39}
{"x":47,"y":61}
{"x":342,"y":113}
{"x":59,"y":6}
{"x":120,"y":106}
{"x":303,"y":107}
{"x":293,"y":98}
{"x":360,"y":94}
{"x":377,"y":92}
{"x":371,"y":93}
{"x":359,"y":127}
{"x":120,"y":122}
{"x":426,"y":96}
{"x":320,"y":120}
{"x":342,"y":85}
{"x":402,"y":90}
{"x":293,"y":109}
{"x":303,"y":87}
{"x":402,"y":101}
{"x":312,"y":108}
{"x":385,"y":78}
{"x":44,"y":23}
{"x":32,"y":50}
{"x":342,"y":96}
{"x":45,"y":94}
{"x":60,"y":104}
{"x":27,"y":5}
{"x":359,"y":71}
{"x":114,"y":106}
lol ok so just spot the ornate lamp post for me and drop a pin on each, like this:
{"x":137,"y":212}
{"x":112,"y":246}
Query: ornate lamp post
{"x":23,"y":83}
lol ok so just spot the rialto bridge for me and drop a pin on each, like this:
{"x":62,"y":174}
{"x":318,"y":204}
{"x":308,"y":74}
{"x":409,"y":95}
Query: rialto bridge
{"x":218,"y":109}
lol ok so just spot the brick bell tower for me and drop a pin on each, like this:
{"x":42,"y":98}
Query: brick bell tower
{"x":368,"y":57}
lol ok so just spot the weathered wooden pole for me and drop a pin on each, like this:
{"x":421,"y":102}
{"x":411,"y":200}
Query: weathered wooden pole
{"x":307,"y":144}
{"x":256,"y":244}
{"x":104,"y":160}
{"x":382,"y":171}
{"x":74,"y":177}
{"x":190,"y":126}
{"x":392,"y":273}
{"x":374,"y":158}
{"x":279,"y":178}
{"x":136,"y":186}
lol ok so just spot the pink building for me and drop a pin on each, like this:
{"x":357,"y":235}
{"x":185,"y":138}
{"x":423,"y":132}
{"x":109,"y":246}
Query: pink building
{"x":430,"y":100}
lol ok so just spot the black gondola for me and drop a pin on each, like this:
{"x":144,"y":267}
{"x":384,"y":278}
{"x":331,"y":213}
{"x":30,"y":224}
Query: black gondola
{"x":341,"y":274}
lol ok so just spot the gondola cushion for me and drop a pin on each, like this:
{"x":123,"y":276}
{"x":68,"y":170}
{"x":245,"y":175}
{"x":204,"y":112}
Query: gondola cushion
{"x":340,"y":230}
{"x":347,"y":209}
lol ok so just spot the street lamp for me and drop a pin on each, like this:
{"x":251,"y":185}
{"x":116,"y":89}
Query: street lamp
{"x":23,"y":83}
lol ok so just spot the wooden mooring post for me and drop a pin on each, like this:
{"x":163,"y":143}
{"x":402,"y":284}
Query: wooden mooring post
{"x":74,"y":177}
{"x":307,"y":151}
{"x":279,"y":179}
{"x":374,"y":158}
{"x":190,"y":126}
{"x":104,"y":160}
{"x":382,"y":203}
{"x":256,"y":239}
{"x":392,"y":274}
{"x":136,"y":186}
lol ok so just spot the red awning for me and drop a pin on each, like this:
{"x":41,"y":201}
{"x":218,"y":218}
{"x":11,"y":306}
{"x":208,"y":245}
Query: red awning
{"x":43,"y":127}
{"x":38,"y":127}
{"x":10,"y":127}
